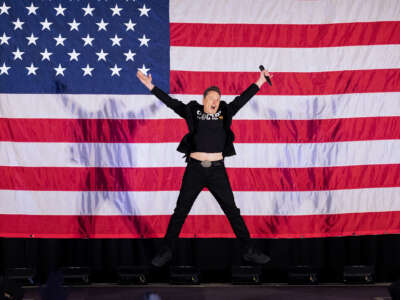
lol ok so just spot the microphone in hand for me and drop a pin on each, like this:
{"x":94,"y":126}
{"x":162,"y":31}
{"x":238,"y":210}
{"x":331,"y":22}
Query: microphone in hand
{"x":261,"y":67}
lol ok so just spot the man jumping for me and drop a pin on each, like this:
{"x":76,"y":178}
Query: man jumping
{"x":209,"y":141}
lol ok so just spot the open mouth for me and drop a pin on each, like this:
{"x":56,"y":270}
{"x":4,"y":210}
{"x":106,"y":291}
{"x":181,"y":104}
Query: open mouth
{"x":213,"y":107}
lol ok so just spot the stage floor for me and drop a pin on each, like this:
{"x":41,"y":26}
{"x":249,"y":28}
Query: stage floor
{"x":221,"y":291}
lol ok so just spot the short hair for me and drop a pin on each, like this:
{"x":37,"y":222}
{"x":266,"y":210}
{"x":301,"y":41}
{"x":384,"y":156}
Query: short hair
{"x":212,"y":88}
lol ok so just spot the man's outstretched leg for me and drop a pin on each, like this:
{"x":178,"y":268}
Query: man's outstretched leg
{"x":219,"y":186}
{"x":192,"y":184}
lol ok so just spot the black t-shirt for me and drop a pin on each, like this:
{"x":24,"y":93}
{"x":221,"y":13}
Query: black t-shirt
{"x":209,"y":134}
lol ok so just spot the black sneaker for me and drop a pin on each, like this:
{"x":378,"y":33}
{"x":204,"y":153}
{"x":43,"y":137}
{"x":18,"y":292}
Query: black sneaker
{"x":162,"y":257}
{"x":254,"y":255}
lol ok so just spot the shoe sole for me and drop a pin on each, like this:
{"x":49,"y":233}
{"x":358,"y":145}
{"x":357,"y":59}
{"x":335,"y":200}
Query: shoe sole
{"x":246,"y":258}
{"x":155,"y":265}
{"x":159,"y":265}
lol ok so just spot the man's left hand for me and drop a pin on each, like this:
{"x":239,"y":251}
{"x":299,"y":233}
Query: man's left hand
{"x":262,"y":79}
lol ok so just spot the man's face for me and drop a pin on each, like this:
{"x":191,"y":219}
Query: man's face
{"x":211,"y":102}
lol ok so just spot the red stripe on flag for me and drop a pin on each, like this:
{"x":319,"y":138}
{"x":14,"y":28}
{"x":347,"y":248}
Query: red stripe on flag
{"x":200,"y":226}
{"x":92,"y":130}
{"x":316,"y":131}
{"x":284,"y":35}
{"x":172,"y":130}
{"x":168,"y":179}
{"x":293,"y":83}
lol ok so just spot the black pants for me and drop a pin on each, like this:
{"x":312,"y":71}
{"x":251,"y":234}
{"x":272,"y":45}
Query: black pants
{"x":215,"y":178}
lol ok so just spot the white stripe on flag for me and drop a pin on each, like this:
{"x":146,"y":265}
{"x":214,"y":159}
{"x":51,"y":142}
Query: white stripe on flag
{"x":283,"y":11}
{"x":163,"y":203}
{"x":285,"y":59}
{"x":261,"y":107}
{"x":291,"y":155}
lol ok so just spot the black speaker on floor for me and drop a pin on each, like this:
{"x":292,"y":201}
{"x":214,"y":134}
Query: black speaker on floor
{"x":22,"y":276}
{"x":184,"y":275}
{"x":75,"y":275}
{"x":303,"y":274}
{"x":10,"y":289}
{"x":394,"y":290}
{"x":359,"y":274}
{"x":132,"y":275}
{"x":246,"y":274}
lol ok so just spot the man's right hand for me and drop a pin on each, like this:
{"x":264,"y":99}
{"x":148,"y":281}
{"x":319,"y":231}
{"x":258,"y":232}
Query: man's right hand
{"x":146,"y":80}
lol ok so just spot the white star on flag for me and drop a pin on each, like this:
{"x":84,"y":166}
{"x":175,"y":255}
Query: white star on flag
{"x":74,"y":25}
{"x":144,"y":41}
{"x":18,"y":54}
{"x":144,"y":70}
{"x":116,"y":10}
{"x":18,"y":24}
{"x":129,"y":55}
{"x":4,"y":9}
{"x":31,"y":69}
{"x":102,"y":25}
{"x":59,"y":70}
{"x":115,"y":70}
{"x":130,"y":25}
{"x":116,"y":40}
{"x":144,"y":11}
{"x":87,"y":70}
{"x":73,"y":55}
{"x":88,"y":40}
{"x":4,"y":39}
{"x":4,"y":69}
{"x":32,"y":9}
{"x":102,"y":55}
{"x":46,"y":55}
{"x":60,"y":40}
{"x":46,"y":25}
{"x":31,"y":39}
{"x":88,"y":10}
{"x":60,"y":10}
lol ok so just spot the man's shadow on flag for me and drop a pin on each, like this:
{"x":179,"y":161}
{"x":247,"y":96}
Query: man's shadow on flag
{"x":106,"y":190}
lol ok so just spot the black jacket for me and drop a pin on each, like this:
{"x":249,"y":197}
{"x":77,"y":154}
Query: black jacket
{"x":188,"y":112}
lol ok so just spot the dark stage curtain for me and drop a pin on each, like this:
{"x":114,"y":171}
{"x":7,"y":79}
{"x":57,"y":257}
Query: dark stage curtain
{"x":214,"y":257}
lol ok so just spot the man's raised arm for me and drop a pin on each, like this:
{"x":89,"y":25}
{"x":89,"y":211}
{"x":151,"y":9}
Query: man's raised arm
{"x":244,"y":97}
{"x":176,"y":105}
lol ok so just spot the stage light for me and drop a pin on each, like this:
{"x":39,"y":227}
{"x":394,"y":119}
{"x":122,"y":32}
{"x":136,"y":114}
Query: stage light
{"x":75,"y":275}
{"x":184,"y":275}
{"x":132,"y":275}
{"x":303,"y":274}
{"x":246,"y":274}
{"x":23,"y":276}
{"x":358,"y":274}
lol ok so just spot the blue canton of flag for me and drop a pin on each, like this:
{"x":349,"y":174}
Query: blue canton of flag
{"x":82,"y":46}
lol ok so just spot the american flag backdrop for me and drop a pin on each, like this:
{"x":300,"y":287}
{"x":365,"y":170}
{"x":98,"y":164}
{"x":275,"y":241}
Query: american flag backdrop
{"x":87,"y":151}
